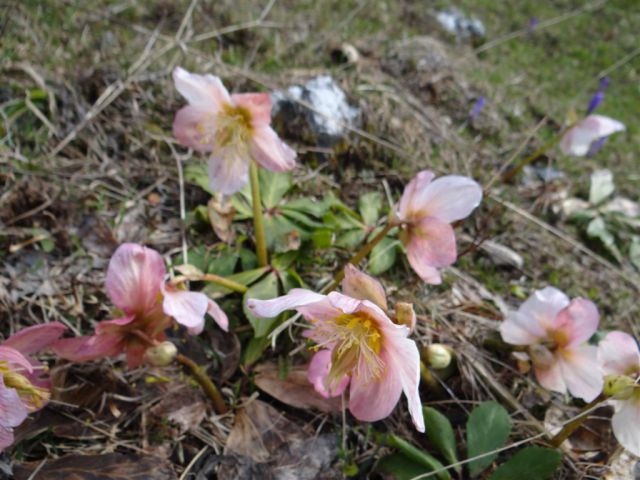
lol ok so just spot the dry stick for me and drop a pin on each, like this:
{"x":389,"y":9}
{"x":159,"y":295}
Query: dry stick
{"x":258,"y":221}
{"x":205,"y":382}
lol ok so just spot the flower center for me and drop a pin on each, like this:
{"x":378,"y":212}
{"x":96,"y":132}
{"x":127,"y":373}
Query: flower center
{"x":233,"y":126}
{"x":34,"y":397}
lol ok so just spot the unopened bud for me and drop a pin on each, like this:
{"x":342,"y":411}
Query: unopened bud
{"x":437,"y":356}
{"x":619,"y":387}
{"x":161,"y":355}
{"x":405,"y":315}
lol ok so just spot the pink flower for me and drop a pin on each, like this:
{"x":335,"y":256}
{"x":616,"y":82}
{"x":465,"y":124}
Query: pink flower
{"x":578,"y":139}
{"x":136,"y":285}
{"x":23,"y":386}
{"x":234,"y":128}
{"x":357,"y":345}
{"x":555,"y":330}
{"x":426,"y":210}
{"x":620,"y":361}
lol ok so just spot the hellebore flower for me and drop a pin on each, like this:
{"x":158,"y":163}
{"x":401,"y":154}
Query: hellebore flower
{"x":23,"y":387}
{"x":233,"y":128}
{"x":357,"y":345}
{"x":426,"y":210}
{"x":136,"y":285}
{"x":555,"y":329}
{"x":620,"y":360}
{"x":577,"y":140}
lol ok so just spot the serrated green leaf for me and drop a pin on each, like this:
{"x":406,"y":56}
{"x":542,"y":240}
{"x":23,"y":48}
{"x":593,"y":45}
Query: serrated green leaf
{"x":488,"y":429}
{"x":369,"y":205}
{"x":532,"y":463}
{"x":598,"y":229}
{"x":399,"y":467}
{"x":265,"y":289}
{"x":601,"y":186}
{"x":273,"y":186}
{"x":243,"y":278}
{"x":383,"y":256}
{"x":440,"y":433}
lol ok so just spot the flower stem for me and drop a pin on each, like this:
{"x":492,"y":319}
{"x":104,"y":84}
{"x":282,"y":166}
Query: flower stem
{"x":225,"y":282}
{"x":363,"y":252}
{"x":258,"y":220}
{"x":574,"y":424}
{"x":205,"y":382}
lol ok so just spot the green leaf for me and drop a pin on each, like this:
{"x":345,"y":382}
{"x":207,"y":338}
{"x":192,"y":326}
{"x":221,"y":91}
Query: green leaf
{"x":351,"y":238}
{"x":308,"y":206}
{"x":291,"y":279}
{"x":598,"y":229}
{"x":488,"y":429}
{"x":277,"y":228}
{"x":254,"y":349}
{"x":369,"y":206}
{"x":265,"y":289}
{"x":400,"y":467}
{"x":418,"y":456}
{"x":634,"y":251}
{"x":531,"y":463}
{"x":299,"y":217}
{"x":273,"y":186}
{"x":244,"y":278}
{"x":440,"y":433}
{"x":322,"y":238}
{"x":601,"y":186}
{"x":197,"y":173}
{"x":383,"y":256}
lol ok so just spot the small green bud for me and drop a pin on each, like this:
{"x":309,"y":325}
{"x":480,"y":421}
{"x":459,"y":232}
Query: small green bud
{"x":619,"y":387}
{"x":161,"y":355}
{"x":437,"y":356}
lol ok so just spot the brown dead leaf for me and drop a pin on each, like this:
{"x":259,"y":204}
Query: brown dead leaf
{"x":112,"y":466}
{"x":295,"y":390}
{"x":221,"y":213}
{"x":184,"y":407}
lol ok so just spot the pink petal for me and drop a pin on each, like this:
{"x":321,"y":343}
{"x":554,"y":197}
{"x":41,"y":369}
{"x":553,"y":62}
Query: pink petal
{"x":83,"y":349}
{"x":229,"y":169}
{"x":521,"y":329}
{"x":33,"y":339}
{"x":577,"y":140}
{"x":579,"y":321}
{"x":195,"y":128}
{"x":113,"y":326}
{"x":258,"y":105}
{"x":409,"y":205}
{"x":134,"y":277}
{"x":448,"y":198}
{"x":187,"y":308}
{"x":319,"y":371}
{"x":218,"y":315}
{"x":544,"y":305}
{"x":357,"y":284}
{"x":271,"y":152}
{"x":6,"y":437}
{"x":551,"y":377}
{"x":296,"y":298}
{"x":431,"y":245}
{"x":581,"y":372}
{"x":12,"y":410}
{"x":626,"y":424}
{"x":14,"y":358}
{"x":135,"y":354}
{"x":204,"y":91}
{"x":618,"y":354}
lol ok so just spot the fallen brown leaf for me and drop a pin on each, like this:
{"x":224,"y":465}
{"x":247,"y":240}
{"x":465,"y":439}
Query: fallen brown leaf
{"x":221,"y":215}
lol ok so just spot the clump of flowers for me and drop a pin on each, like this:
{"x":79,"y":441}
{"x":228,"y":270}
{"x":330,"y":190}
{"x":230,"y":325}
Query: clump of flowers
{"x":620,"y":360}
{"x":234,"y":129}
{"x":24,"y":387}
{"x":425,"y":212}
{"x":357,"y":345}
{"x":147,"y":305}
{"x":555,"y":331}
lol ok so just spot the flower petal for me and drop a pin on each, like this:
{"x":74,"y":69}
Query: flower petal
{"x":551,"y":377}
{"x":258,"y":105}
{"x":431,"y":245}
{"x":12,"y":410}
{"x":409,"y":203}
{"x":83,"y":349}
{"x":14,"y":358}
{"x":581,"y":371}
{"x":448,"y":198}
{"x":296,"y":298}
{"x":229,"y":169}
{"x":521,"y":329}
{"x":544,"y":305}
{"x":187,"y":308}
{"x":218,"y":315}
{"x":619,"y":354}
{"x":271,"y":152}
{"x":203,"y":91}
{"x":33,"y":339}
{"x":578,"y":320}
{"x":625,"y":424}
{"x":195,"y":128}
{"x":577,"y":140}
{"x":134,"y":277}
{"x":319,"y":371}
{"x":357,"y":284}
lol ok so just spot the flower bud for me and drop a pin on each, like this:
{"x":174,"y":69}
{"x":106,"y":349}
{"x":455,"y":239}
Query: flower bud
{"x":405,"y":315}
{"x":619,"y":387}
{"x":161,"y":355}
{"x":437,"y":356}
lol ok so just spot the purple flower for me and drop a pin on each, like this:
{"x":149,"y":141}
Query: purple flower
{"x":597,"y":98}
{"x":477,"y":108}
{"x":596,"y":146}
{"x":533,"y":23}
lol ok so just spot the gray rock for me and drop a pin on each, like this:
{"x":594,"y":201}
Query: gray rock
{"x":462,"y":26}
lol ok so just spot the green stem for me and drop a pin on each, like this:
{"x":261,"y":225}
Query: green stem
{"x":258,"y":220}
{"x":574,"y":424}
{"x":205,"y":382}
{"x":363,"y":252}
{"x":412,"y":452}
{"x":225,"y":282}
